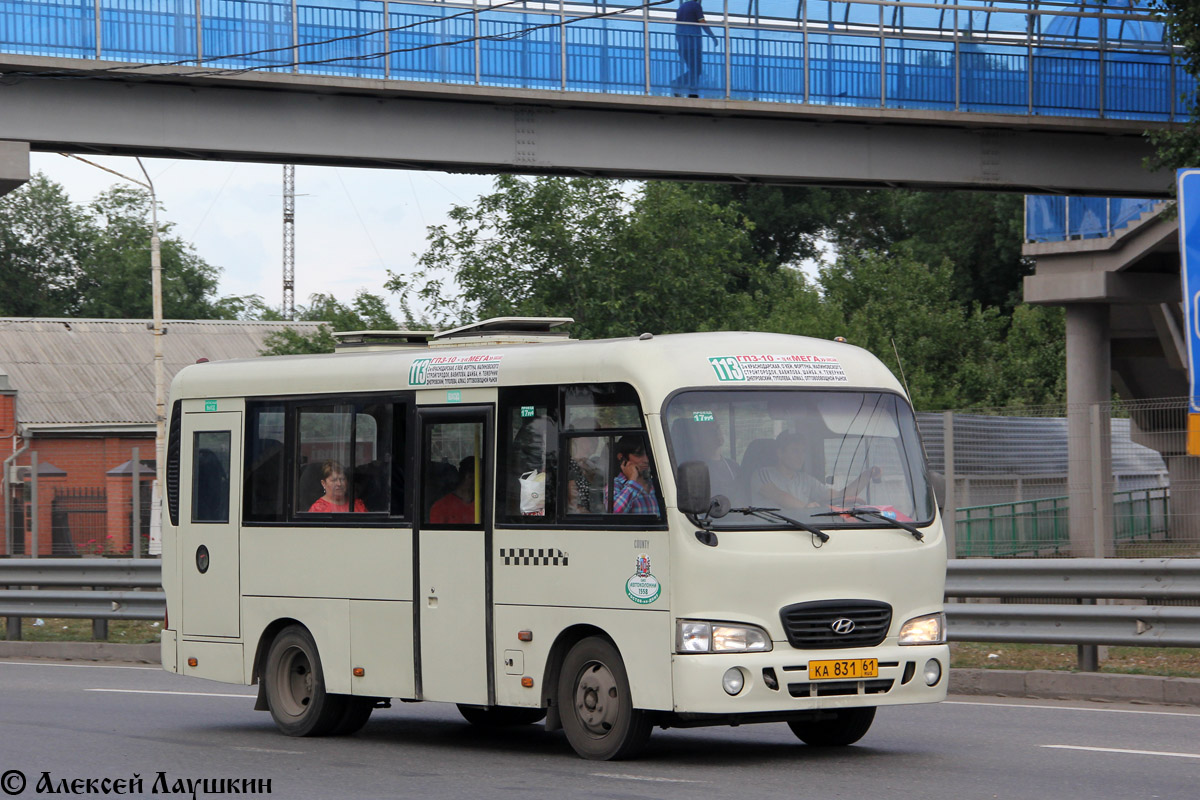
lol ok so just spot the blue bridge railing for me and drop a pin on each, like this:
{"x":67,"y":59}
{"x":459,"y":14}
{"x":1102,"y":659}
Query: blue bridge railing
{"x":1054,"y":218}
{"x":1088,"y":58}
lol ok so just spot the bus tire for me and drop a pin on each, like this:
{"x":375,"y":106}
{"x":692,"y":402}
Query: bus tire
{"x":595,"y":703}
{"x":847,"y":727}
{"x":296,"y":692}
{"x":501,"y":716}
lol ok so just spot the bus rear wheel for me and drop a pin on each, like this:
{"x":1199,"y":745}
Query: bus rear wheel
{"x":595,"y":704}
{"x":295,"y":687}
{"x":501,"y":716}
{"x":847,"y":727}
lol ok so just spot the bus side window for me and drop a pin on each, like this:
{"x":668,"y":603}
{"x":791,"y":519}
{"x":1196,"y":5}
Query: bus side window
{"x":210,"y":476}
{"x":529,"y":455}
{"x":264,"y":463}
{"x":343,"y":458}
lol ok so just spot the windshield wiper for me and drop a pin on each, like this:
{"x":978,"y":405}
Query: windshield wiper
{"x":773,"y":515}
{"x":870,"y":513}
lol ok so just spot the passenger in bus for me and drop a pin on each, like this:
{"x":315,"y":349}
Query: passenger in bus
{"x":333,"y":483}
{"x":633,"y":489}
{"x":585,"y":471}
{"x":457,"y":507}
{"x":789,"y":485}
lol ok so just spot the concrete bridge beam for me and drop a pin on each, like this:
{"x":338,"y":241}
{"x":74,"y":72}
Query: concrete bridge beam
{"x":14,"y":165}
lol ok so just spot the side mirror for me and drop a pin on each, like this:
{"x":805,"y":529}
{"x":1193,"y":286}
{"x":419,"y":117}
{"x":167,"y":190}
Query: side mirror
{"x":692,"y":485}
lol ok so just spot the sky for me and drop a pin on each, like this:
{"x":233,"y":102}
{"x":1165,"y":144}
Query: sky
{"x":352,"y":225}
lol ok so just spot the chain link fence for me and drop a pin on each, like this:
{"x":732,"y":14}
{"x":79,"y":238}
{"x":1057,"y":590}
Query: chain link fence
{"x":1099,"y":480}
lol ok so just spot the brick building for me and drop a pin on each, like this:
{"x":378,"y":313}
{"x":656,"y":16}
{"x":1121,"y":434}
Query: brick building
{"x":77,"y":397}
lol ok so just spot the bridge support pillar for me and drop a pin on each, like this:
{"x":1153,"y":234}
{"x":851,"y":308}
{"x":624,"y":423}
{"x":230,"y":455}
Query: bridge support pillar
{"x":1089,"y":454}
{"x":14,"y":165}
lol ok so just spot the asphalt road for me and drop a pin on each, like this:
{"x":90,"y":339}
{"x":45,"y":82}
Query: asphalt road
{"x":79,"y":721}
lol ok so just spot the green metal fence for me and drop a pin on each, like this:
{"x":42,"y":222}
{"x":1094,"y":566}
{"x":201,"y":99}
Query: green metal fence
{"x":1040,"y":528}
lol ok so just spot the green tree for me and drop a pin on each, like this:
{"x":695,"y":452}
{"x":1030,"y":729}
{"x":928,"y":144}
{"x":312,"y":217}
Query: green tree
{"x":115,"y":281}
{"x":787,"y":222}
{"x":979,"y":233}
{"x":365,"y":312}
{"x":1181,"y":147}
{"x":58,"y":258}
{"x":889,"y":303}
{"x":44,"y":241}
{"x":620,"y":260}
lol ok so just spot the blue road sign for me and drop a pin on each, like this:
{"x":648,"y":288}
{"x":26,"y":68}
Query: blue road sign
{"x":1188,"y":184}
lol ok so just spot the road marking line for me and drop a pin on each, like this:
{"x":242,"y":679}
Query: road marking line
{"x":267,"y":750}
{"x":649,"y":778}
{"x":1120,"y":750}
{"x":76,"y":666}
{"x":1071,"y":708}
{"x":184,"y":694}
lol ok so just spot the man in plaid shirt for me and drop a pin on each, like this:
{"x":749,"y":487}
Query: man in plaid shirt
{"x":633,"y":489}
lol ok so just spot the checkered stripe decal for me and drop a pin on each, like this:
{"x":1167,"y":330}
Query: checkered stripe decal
{"x":533,"y":557}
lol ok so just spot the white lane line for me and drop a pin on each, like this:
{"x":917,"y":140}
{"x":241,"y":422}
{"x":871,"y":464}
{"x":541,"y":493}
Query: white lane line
{"x":1120,"y":750}
{"x":183,"y":694}
{"x":268,"y":750}
{"x":75,"y":666}
{"x":1072,"y":708}
{"x":645,"y":778}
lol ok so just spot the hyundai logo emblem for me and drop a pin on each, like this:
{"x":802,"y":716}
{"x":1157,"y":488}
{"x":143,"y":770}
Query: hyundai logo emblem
{"x":842,"y":625}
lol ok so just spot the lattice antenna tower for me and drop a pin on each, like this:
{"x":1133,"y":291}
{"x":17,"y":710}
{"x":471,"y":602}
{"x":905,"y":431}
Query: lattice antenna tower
{"x":289,"y":241}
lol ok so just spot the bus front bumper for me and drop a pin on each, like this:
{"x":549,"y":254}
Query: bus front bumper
{"x":780,"y":681}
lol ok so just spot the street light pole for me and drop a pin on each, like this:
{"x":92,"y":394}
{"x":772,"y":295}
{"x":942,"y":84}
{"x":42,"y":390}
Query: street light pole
{"x":160,"y":385}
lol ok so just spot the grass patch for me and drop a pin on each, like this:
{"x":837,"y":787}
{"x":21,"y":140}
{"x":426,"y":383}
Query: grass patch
{"x":80,"y":630}
{"x":1178,"y":662}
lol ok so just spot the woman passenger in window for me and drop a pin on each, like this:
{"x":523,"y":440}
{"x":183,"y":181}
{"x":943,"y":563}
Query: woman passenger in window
{"x":633,"y":489}
{"x":334,"y":501}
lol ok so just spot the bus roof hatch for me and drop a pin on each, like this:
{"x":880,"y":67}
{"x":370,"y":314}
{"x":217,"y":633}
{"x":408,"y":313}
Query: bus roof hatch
{"x":504,"y":330}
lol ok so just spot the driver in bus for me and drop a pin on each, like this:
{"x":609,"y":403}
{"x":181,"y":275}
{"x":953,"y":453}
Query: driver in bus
{"x":790,"y":486}
{"x":334,"y":500}
{"x":633,"y":489}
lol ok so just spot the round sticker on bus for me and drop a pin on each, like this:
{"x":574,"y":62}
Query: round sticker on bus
{"x":643,"y":587}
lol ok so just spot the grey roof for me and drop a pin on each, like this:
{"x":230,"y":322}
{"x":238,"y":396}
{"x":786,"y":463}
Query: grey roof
{"x":89,"y":373}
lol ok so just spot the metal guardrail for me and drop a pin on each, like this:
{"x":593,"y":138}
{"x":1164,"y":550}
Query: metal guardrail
{"x":1086,"y":580}
{"x":121,"y":578}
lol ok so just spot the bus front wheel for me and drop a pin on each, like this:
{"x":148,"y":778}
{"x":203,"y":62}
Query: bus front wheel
{"x":847,"y":727}
{"x":296,"y":692}
{"x":595,"y":703}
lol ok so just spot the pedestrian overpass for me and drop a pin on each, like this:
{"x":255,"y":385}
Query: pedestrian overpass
{"x":1002,"y":94}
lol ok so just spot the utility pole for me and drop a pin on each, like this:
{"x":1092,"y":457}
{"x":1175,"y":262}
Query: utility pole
{"x":289,"y":241}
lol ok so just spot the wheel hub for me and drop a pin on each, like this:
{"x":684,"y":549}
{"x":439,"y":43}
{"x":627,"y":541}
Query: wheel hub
{"x":596,"y":699}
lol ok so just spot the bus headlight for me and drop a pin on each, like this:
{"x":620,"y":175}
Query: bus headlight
{"x":929,"y":629}
{"x":693,"y":636}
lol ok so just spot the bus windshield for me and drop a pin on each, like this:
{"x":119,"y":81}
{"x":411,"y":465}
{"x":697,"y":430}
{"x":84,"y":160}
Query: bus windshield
{"x":805,"y":453}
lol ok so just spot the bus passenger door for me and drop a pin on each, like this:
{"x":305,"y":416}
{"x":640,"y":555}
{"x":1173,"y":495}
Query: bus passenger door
{"x":208,"y":523}
{"x":453,"y":584}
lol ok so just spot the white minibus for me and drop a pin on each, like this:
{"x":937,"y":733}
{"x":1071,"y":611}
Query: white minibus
{"x":657,"y":531}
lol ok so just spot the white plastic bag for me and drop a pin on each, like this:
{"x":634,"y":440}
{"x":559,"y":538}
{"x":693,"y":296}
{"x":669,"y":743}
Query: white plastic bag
{"x":533,"y":493}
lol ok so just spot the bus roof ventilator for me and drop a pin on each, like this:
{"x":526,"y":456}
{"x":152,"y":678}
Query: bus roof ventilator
{"x":494,"y":331}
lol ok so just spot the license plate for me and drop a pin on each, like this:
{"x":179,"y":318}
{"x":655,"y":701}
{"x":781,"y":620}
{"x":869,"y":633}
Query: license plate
{"x":843,"y":669}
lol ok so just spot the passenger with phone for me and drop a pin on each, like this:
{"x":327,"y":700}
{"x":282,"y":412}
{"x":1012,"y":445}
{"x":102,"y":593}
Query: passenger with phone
{"x":633,"y":489}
